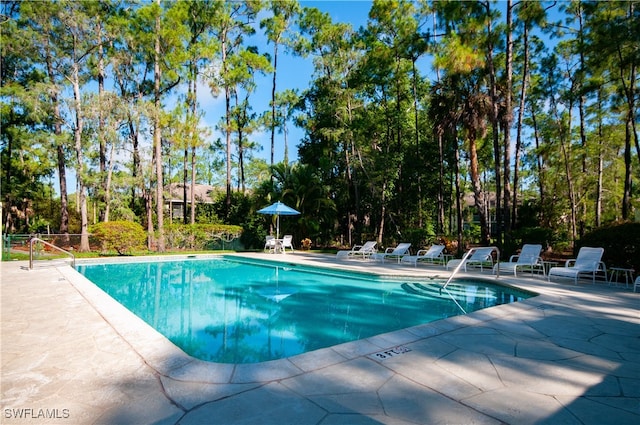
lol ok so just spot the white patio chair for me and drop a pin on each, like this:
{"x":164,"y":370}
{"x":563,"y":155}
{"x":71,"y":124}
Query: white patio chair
{"x":393,"y":253}
{"x":287,"y":242}
{"x":358,"y":251}
{"x":588,"y":262}
{"x":529,"y":258}
{"x":270,"y":243}
{"x":480,"y":257}
{"x":431,"y":255}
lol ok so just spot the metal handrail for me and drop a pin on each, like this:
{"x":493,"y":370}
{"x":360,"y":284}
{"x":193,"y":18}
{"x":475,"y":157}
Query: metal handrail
{"x":32,"y":240}
{"x":463,"y":261}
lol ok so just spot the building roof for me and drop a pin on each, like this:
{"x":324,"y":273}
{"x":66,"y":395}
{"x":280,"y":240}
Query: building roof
{"x":469,"y":199}
{"x":204,"y":193}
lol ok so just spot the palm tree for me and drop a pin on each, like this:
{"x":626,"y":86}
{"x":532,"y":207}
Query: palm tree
{"x":460,"y":106}
{"x":300,"y":187}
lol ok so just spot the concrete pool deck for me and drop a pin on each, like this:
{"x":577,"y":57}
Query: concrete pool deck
{"x":72,"y":355}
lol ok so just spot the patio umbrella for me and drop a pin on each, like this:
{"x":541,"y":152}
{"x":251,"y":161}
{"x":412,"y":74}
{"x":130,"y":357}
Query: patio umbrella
{"x":278,"y":209}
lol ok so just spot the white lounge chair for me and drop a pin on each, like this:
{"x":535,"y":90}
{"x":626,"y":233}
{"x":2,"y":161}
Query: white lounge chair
{"x":393,"y":253}
{"x":270,"y":243}
{"x":636,"y":284}
{"x":359,"y":251}
{"x":480,"y":257}
{"x":432,"y":255}
{"x":287,"y":242}
{"x":588,"y":262}
{"x":528,"y":259}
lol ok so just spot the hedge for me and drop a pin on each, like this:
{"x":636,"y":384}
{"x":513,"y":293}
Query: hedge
{"x":621,"y":243}
{"x":121,"y":236}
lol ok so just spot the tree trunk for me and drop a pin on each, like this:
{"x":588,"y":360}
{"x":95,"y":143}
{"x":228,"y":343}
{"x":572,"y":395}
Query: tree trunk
{"x":227,"y":102}
{"x":493,"y":93}
{"x":458,"y":200}
{"x":518,"y":147}
{"x":441,"y":218}
{"x":60,"y":157}
{"x":148,"y":208}
{"x":601,"y":144}
{"x":417,"y":140}
{"x":193,"y":134}
{"x":136,"y":168}
{"x":273,"y":100}
{"x":383,"y":211}
{"x":541,"y":171}
{"x":102,"y":197}
{"x":477,"y":190}
{"x":107,"y":194}
{"x":185,"y":175}
{"x":193,"y":183}
{"x":349,"y":151}
{"x":631,"y":93}
{"x":626,"y":197}
{"x":77,"y":137}
{"x":157,"y":138}
{"x":582,"y":119}
{"x":508,"y":118}
{"x":569,"y":174}
{"x":62,"y":178}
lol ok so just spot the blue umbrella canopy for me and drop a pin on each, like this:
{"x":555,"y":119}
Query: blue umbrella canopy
{"x":278,"y":209}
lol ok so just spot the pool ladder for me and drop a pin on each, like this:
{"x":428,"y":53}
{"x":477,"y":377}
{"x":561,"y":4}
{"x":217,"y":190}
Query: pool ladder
{"x":33,"y":240}
{"x":464,"y":260}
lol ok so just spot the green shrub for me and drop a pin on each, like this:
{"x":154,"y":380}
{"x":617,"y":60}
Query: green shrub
{"x":206,"y":213}
{"x":253,"y":232}
{"x":533,"y":235}
{"x":121,"y":236}
{"x":419,"y":238}
{"x":621,"y":243}
{"x":528,"y":235}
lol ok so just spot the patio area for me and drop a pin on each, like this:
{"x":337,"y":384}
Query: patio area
{"x":72,"y":355}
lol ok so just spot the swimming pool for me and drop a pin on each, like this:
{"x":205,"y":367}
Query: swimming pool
{"x":232,"y":310}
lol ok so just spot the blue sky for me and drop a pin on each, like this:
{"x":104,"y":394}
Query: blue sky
{"x":296,"y":72}
{"x":292,"y":73}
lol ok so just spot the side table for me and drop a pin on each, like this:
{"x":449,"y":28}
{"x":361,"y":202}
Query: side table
{"x":617,"y":271}
{"x":547,"y":265}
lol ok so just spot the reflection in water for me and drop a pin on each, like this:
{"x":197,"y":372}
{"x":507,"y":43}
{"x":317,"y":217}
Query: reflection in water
{"x":231,"y":312}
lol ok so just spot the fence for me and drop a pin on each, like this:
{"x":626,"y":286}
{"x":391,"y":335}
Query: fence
{"x":16,"y":246}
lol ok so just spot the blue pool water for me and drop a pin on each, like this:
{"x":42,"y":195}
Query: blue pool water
{"x":240,"y":311}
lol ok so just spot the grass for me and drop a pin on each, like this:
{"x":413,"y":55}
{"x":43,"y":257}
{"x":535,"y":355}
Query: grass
{"x":24,"y":256}
{"x":20,"y":255}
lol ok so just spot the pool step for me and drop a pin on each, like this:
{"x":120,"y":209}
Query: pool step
{"x":435,"y":290}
